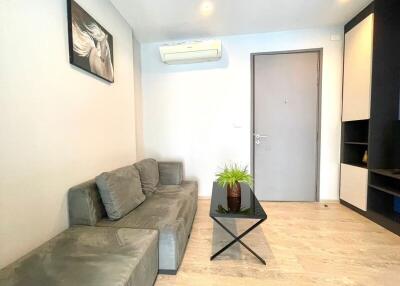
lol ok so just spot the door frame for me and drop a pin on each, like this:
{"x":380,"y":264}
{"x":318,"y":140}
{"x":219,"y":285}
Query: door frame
{"x":319,"y":104}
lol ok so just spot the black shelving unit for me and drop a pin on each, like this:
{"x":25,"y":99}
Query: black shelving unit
{"x":380,"y":135}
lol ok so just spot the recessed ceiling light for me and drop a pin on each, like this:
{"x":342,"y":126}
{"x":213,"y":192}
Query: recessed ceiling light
{"x":207,"y":8}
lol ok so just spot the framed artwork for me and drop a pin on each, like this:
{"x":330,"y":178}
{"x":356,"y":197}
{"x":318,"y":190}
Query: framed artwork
{"x":90,"y":45}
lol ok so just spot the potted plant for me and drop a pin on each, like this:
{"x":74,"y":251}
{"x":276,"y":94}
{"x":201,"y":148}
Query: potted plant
{"x":231,"y":177}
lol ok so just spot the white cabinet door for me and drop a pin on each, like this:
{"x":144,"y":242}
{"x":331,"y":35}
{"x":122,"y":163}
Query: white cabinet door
{"x":354,"y":186}
{"x":358,"y":71}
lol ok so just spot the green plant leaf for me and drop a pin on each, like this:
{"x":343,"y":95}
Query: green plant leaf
{"x":234,"y":173}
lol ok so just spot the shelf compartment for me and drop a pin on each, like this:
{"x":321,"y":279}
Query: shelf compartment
{"x":390,"y":191}
{"x":352,"y":154}
{"x":379,"y":181}
{"x":391,"y":173}
{"x":383,"y":203}
{"x":356,"y":131}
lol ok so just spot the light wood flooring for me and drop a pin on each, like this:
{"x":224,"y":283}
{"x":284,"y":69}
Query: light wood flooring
{"x":303,"y":243}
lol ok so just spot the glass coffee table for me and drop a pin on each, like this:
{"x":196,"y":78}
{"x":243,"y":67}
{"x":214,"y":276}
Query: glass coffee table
{"x":245,"y":207}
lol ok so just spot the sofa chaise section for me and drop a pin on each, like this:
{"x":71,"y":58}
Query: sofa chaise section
{"x":86,"y":256}
{"x":170,"y":210}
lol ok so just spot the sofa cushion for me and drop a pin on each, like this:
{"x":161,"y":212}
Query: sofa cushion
{"x":171,"y":210}
{"x":89,"y":256}
{"x":120,"y":191}
{"x":171,"y":173}
{"x":187,"y":194}
{"x":149,"y":175}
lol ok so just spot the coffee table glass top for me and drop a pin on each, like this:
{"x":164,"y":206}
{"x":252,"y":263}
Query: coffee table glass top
{"x":248,"y":206}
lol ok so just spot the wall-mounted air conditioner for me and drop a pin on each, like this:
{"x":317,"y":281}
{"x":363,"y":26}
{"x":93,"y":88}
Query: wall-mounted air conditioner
{"x":191,"y":52}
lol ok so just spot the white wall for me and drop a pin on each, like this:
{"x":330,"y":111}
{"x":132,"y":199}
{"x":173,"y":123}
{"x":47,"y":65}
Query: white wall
{"x":137,"y":65}
{"x":192,"y":112}
{"x":59,"y":126}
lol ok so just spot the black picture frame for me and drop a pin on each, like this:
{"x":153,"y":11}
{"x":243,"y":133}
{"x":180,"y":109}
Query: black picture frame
{"x":90,"y":44}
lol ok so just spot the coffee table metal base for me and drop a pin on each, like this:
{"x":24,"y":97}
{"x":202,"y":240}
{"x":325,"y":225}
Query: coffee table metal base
{"x":238,"y":239}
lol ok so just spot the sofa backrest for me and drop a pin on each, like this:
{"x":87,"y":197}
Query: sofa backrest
{"x":85,"y":205}
{"x":84,"y":201}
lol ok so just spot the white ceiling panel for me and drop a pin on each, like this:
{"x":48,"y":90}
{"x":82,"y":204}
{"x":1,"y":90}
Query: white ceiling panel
{"x":167,"y":20}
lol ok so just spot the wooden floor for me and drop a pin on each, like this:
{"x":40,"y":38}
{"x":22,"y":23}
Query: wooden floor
{"x":303,"y":243}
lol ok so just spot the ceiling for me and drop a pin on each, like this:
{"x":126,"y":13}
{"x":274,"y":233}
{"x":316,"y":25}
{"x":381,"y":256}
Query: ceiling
{"x":168,"y":20}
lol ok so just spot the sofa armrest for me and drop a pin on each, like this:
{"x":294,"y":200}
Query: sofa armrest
{"x":85,"y":205}
{"x":171,"y":173}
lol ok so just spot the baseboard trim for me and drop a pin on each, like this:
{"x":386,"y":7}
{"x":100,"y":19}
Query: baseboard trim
{"x":329,"y":201}
{"x":167,"y":272}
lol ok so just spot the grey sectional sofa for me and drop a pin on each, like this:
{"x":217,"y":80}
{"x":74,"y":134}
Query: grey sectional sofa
{"x":128,"y":251}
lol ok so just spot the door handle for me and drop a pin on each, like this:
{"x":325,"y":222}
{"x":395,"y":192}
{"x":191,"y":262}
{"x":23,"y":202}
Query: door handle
{"x":259,"y":136}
